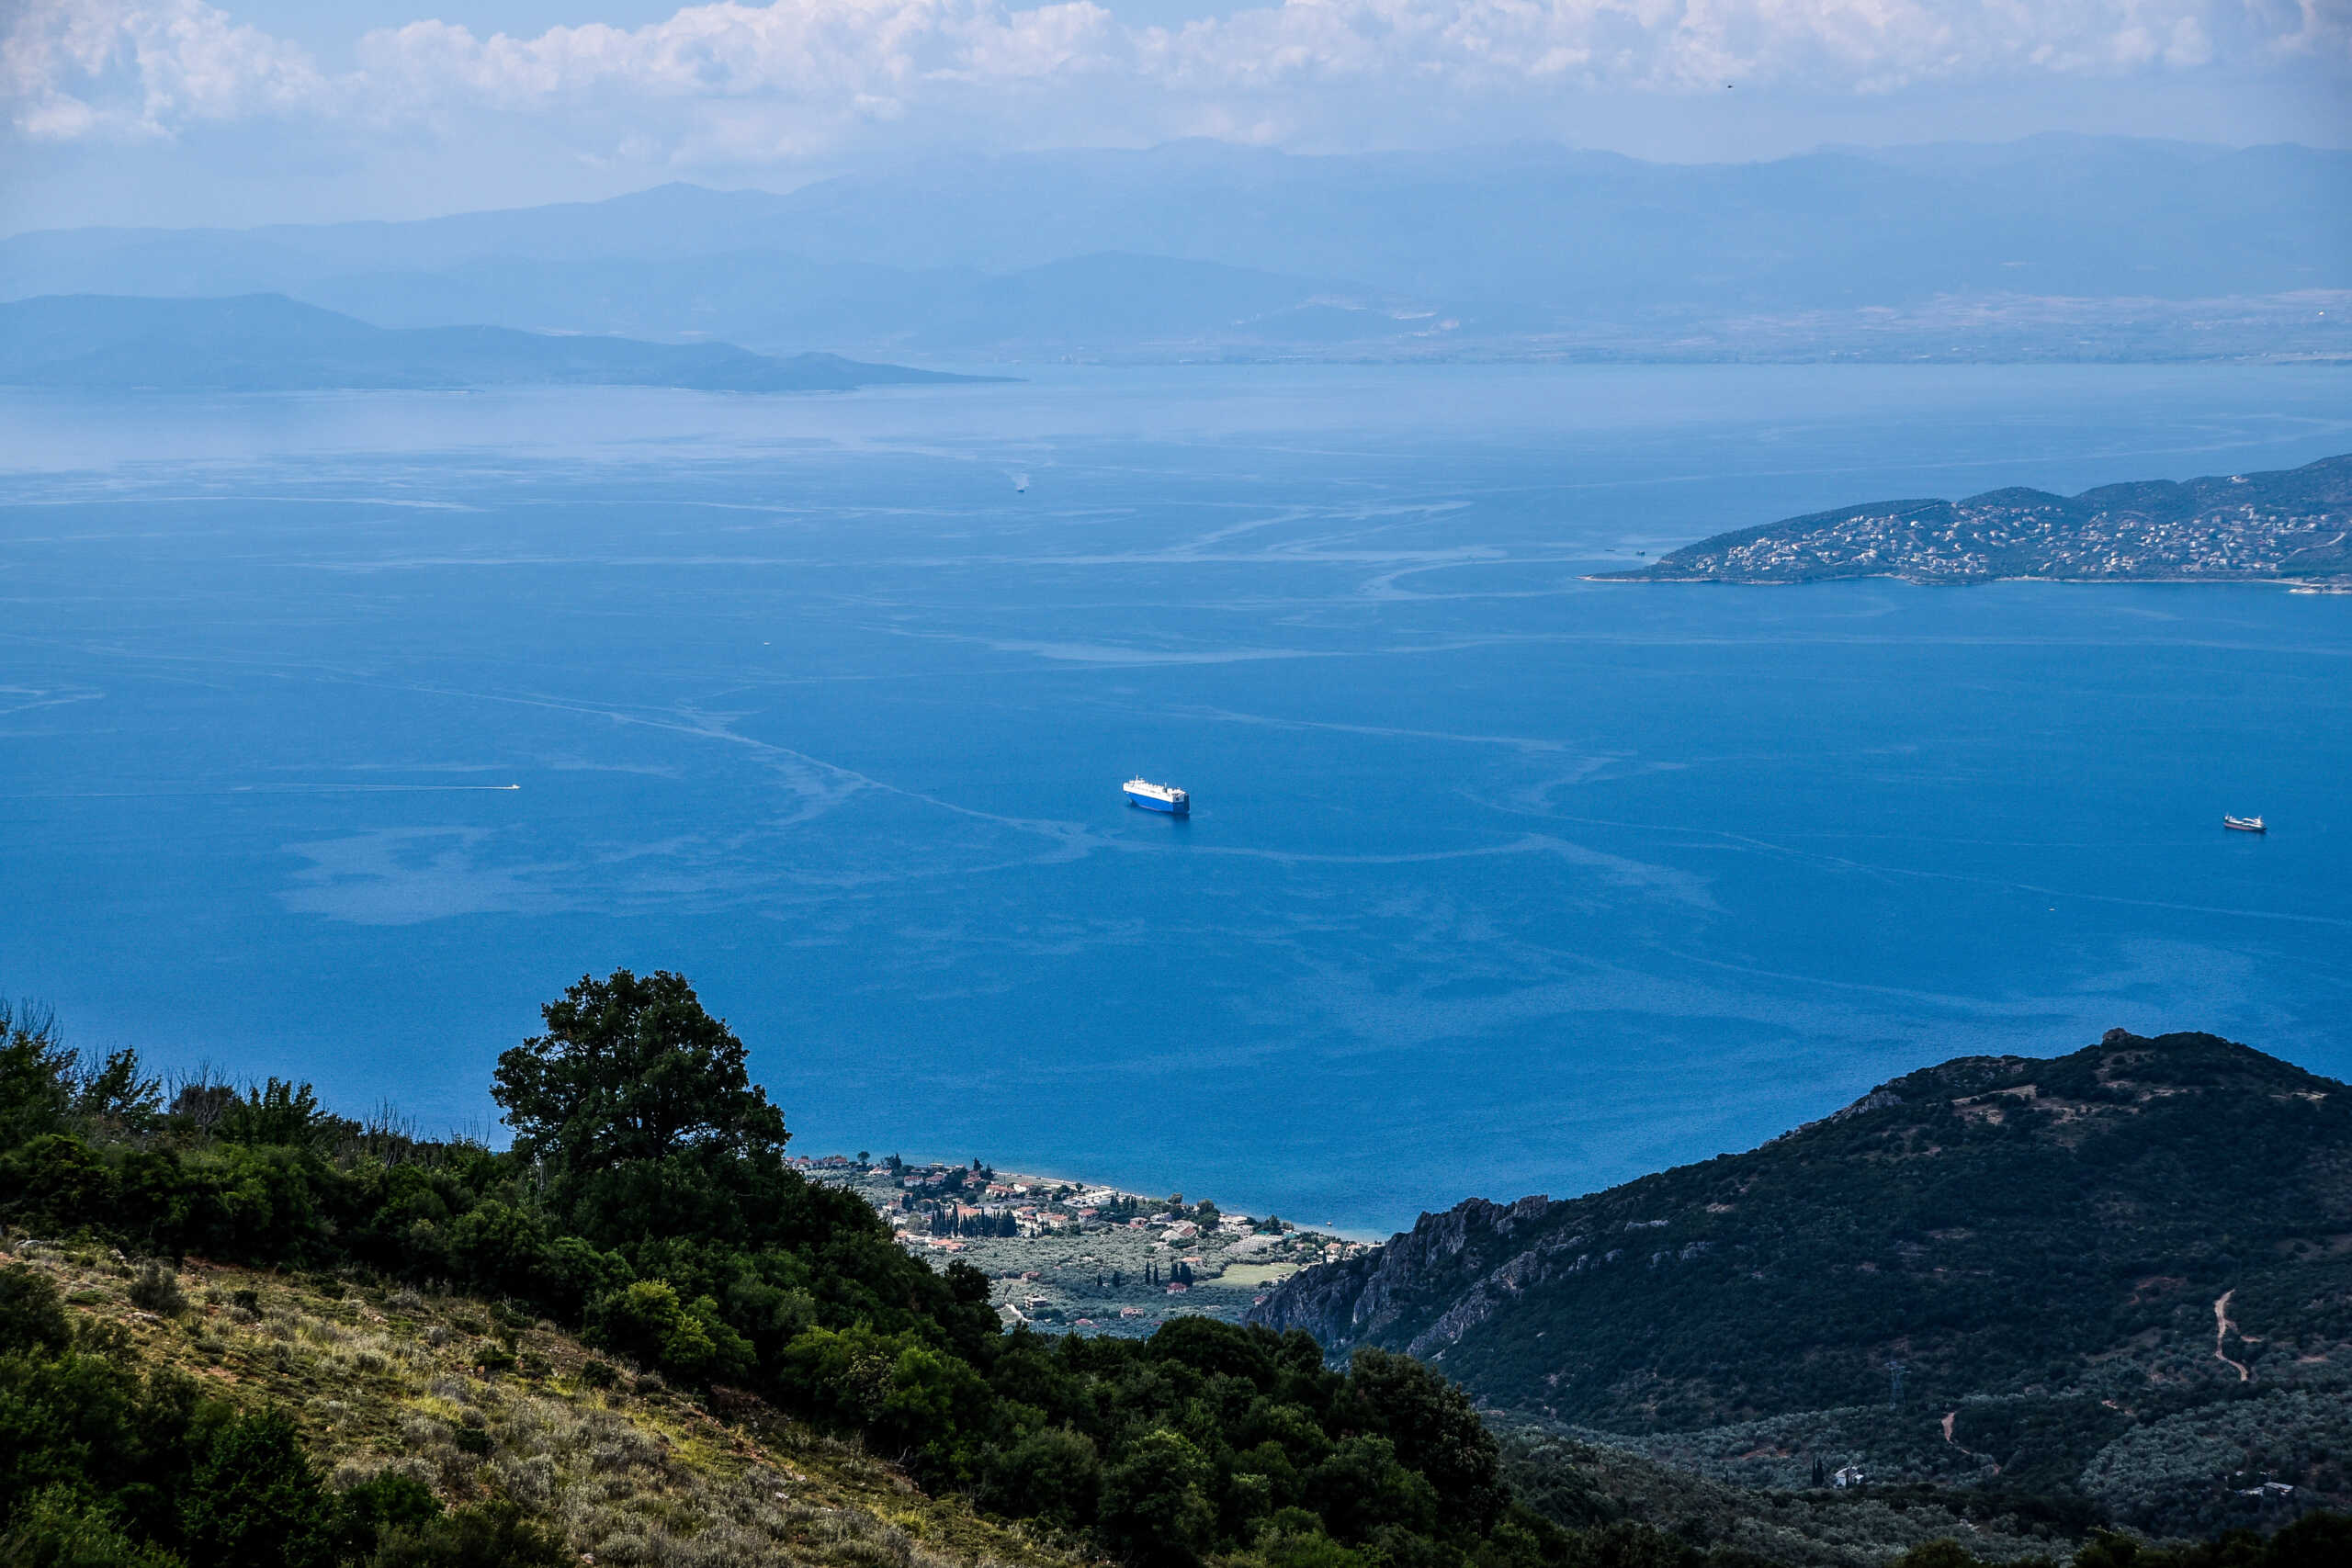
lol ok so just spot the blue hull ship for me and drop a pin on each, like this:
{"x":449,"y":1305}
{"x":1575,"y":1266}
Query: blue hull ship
{"x":1158,"y":797}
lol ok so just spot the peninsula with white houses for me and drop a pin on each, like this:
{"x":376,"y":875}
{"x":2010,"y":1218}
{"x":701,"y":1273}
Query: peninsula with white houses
{"x":2290,"y":526}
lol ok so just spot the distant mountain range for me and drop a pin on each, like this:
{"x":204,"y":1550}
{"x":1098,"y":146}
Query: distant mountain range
{"x":1131,"y":303}
{"x":2292,"y":523}
{"x":2119,"y":1276}
{"x":268,"y":343}
{"x":2056,"y":246}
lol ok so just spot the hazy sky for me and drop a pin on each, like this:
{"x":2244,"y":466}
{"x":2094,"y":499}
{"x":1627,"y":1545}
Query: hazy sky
{"x":179,"y":111}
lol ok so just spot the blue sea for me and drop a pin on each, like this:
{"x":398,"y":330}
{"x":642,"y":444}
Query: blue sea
{"x":339,"y":732}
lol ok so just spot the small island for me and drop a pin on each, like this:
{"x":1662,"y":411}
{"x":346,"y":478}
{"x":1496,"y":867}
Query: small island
{"x":2290,"y":526}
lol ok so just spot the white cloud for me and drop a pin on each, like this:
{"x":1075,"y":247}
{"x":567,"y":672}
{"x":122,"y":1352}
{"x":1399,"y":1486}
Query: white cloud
{"x":739,"y":83}
{"x":144,"y":68}
{"x":2314,"y":26}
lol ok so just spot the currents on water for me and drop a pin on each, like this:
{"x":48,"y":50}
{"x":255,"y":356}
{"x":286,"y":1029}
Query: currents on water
{"x":338,"y":732}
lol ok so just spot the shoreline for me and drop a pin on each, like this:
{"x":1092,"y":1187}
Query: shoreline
{"x":2321,"y":586}
{"x":1067,"y":1256}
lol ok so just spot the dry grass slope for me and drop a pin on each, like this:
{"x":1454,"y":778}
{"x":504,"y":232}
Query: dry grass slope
{"x":632,"y":1473}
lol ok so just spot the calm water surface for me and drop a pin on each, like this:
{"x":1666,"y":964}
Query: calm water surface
{"x":336,"y":733}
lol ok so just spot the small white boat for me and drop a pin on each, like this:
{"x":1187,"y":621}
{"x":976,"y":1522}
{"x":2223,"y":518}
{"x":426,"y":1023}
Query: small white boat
{"x":2244,"y":824}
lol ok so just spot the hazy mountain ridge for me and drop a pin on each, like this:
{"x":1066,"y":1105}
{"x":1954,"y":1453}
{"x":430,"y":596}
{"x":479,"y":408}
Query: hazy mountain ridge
{"x":2289,"y":522}
{"x":764,"y":300}
{"x":268,"y":343}
{"x":1543,"y":223}
{"x":2061,"y":1253}
{"x":1202,"y":247}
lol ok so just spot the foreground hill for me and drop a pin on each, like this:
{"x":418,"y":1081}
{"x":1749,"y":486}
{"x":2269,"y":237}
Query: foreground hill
{"x":648,"y":1208}
{"x":2288,"y":523}
{"x":2118,"y":1276}
{"x":478,"y":1404}
{"x":238,"y":1331}
{"x":538,"y":1449}
{"x":268,"y":343}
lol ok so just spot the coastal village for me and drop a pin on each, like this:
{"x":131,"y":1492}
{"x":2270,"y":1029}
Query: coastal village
{"x":1076,"y":1258}
{"x":2293,"y":526}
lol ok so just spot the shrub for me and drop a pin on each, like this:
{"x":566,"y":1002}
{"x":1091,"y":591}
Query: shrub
{"x":384,"y":1503}
{"x":157,"y":1290}
{"x":31,"y":1316}
{"x":492,"y":1535}
{"x":59,"y":1530}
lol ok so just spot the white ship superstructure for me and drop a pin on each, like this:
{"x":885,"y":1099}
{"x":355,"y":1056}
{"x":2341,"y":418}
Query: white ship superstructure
{"x":1158,"y":797}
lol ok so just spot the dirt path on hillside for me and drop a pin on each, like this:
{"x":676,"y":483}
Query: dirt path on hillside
{"x":2222,"y":1328}
{"x":1950,"y":1417}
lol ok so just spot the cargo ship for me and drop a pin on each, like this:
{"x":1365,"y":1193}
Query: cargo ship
{"x":2244,"y":824}
{"x":1158,"y":797}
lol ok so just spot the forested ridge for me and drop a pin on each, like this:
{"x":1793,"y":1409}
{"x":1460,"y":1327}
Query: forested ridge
{"x":2039,"y":1249}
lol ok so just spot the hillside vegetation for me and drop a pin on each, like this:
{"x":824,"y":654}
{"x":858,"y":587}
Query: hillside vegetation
{"x":2123,"y":1276}
{"x":645,"y":1205}
{"x":410,"y":1427}
{"x":238,"y":1331}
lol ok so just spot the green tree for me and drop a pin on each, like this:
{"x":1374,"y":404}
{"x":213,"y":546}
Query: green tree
{"x":1155,"y":1502}
{"x":116,"y":1094}
{"x":36,"y":1076}
{"x":1051,"y":1475}
{"x":1362,"y":1488}
{"x":255,"y":1501}
{"x":278,"y":1113}
{"x":1437,"y":1431}
{"x":633,"y":1069}
{"x":647,"y":1320}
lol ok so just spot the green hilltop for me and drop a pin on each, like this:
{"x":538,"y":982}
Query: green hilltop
{"x":2116,"y":1284}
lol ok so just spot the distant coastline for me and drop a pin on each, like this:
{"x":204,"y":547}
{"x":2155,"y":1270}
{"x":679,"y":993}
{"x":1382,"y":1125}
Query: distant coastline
{"x":2320,"y":585}
{"x":267,"y":343}
{"x":2288,"y":527}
